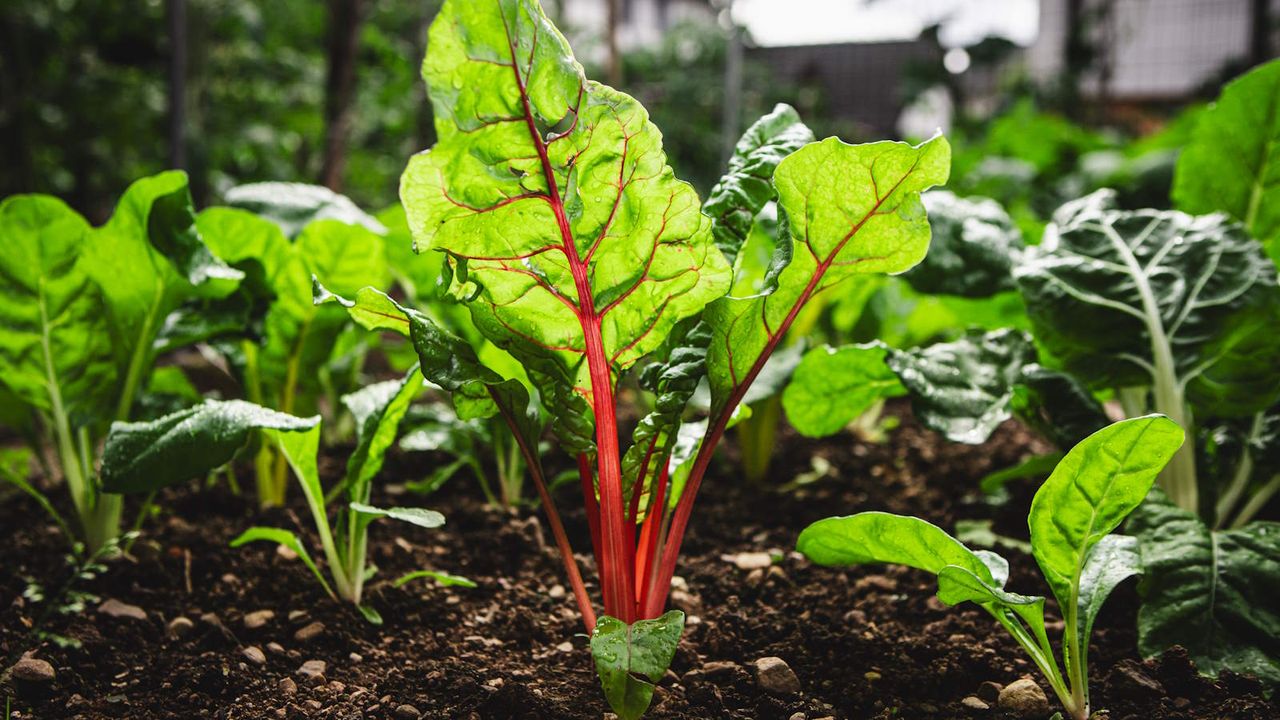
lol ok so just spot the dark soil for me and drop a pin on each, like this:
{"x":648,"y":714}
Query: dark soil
{"x":864,"y":643}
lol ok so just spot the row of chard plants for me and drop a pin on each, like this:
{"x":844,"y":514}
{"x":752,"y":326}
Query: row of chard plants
{"x":548,"y":265}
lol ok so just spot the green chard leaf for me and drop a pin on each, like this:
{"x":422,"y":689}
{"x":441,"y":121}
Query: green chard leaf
{"x":294,"y":206}
{"x":1210,"y":591}
{"x":1232,"y":163}
{"x":1093,"y":489}
{"x":55,"y":351}
{"x":835,"y":234}
{"x":146,"y":456}
{"x":551,"y":196}
{"x":1118,"y":295}
{"x":878,"y":537}
{"x":747,"y":185}
{"x":444,"y":579}
{"x":964,"y":389}
{"x":149,"y":259}
{"x":972,"y":251}
{"x":834,"y":386}
{"x":631,"y":659}
{"x":421,"y":517}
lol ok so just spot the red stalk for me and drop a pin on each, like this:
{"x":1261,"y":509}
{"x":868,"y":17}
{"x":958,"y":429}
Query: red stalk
{"x":588,"y":480}
{"x":649,"y":535}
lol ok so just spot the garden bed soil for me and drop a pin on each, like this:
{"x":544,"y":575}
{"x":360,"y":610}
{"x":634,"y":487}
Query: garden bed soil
{"x":864,"y":643}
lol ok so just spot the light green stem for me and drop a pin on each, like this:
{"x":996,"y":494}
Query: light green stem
{"x":1257,"y":502}
{"x":1244,"y":472}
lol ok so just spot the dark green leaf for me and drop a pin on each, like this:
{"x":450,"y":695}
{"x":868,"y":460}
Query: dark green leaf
{"x":747,"y":185}
{"x":146,"y":456}
{"x":1212,"y":592}
{"x":973,"y":248}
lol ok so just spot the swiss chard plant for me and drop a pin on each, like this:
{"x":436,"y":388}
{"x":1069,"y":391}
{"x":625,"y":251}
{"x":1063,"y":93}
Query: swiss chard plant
{"x":579,"y":253}
{"x":281,"y":235}
{"x":143,"y":457}
{"x":87,"y":312}
{"x":1096,"y":486}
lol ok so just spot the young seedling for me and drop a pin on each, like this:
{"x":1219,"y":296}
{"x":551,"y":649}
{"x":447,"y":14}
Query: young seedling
{"x":1097,"y":484}
{"x":143,"y":457}
{"x":578,"y":252}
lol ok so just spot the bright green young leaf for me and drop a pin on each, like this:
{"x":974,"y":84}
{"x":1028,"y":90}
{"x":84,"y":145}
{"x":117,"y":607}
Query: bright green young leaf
{"x":631,"y":659}
{"x":972,"y":251}
{"x":851,"y":210}
{"x":833,"y":386}
{"x":747,"y":185}
{"x":1036,"y":466}
{"x":1147,"y":298}
{"x":1232,"y":163}
{"x":878,"y":537}
{"x":964,"y":389}
{"x":287,"y":539}
{"x":1212,"y":592}
{"x":1093,"y":489}
{"x":378,"y":410}
{"x":293,"y":206}
{"x":552,"y":197}
{"x":146,"y":456}
{"x":444,"y":579}
{"x":55,"y":351}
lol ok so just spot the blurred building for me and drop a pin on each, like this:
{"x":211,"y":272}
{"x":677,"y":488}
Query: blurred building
{"x":1153,"y":50}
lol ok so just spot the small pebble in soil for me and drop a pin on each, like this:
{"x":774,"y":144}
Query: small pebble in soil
{"x":32,"y":670}
{"x":565,"y":647}
{"x":556,"y":592}
{"x":275,"y":648}
{"x":179,"y":627}
{"x":407,"y":712}
{"x":310,"y":632}
{"x":775,"y":676}
{"x":719,"y":668}
{"x":313,"y":670}
{"x":297,"y":615}
{"x":254,"y":654}
{"x":1024,"y":698}
{"x":871,"y":675}
{"x":749,"y":560}
{"x":798,"y":716}
{"x":258,"y":619}
{"x":973,"y":703}
{"x":116,"y":609}
{"x":355,"y":657}
{"x":287,"y":686}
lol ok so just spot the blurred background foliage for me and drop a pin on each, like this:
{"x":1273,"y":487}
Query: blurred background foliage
{"x":94,"y":94}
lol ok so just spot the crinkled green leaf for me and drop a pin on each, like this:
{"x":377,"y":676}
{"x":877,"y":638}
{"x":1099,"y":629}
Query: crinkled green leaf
{"x":851,"y":210}
{"x":1212,"y":592}
{"x":631,"y":659}
{"x":293,"y":206}
{"x":378,"y":410}
{"x":1232,"y":163}
{"x":747,"y":184}
{"x":1057,"y":405}
{"x":834,"y":386}
{"x":964,"y":389}
{"x":1111,"y":292}
{"x":146,"y":456}
{"x":1093,"y":489}
{"x":552,"y":197}
{"x":55,"y":350}
{"x":972,"y":250}
{"x":287,"y":539}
